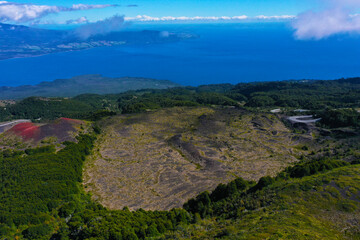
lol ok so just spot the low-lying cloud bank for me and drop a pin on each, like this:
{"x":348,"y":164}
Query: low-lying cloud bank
{"x":338,"y":17}
{"x":145,"y":18}
{"x":21,"y":13}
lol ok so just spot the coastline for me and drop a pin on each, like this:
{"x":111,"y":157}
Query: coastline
{"x":59,"y":51}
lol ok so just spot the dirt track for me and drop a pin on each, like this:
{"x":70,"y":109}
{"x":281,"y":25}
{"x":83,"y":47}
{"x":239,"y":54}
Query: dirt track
{"x":8,"y":125}
{"x":307,"y":119}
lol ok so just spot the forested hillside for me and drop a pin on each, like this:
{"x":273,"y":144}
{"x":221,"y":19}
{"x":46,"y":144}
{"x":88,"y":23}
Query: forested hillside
{"x":311,"y":191}
{"x":302,"y":94}
{"x":41,"y":198}
{"x":96,"y":84}
{"x":312,"y":95}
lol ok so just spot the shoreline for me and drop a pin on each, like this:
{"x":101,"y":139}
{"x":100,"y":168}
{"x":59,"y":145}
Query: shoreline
{"x":44,"y":54}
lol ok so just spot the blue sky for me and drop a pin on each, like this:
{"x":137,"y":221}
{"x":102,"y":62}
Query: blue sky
{"x":311,"y":18}
{"x":176,"y":8}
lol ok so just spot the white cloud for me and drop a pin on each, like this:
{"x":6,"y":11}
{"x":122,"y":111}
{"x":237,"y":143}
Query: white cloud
{"x":243,"y":17}
{"x":87,"y":6}
{"x":281,"y":17}
{"x":113,"y":24}
{"x":338,"y":17}
{"x":17,"y":12}
{"x":342,"y":3}
{"x":80,"y":20}
{"x":145,"y":18}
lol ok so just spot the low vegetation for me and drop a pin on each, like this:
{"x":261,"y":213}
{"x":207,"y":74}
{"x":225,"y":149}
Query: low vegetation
{"x":158,"y":160}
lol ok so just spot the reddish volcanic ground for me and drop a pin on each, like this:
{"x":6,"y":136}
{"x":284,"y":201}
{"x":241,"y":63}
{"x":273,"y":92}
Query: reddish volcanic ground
{"x":25,"y":130}
{"x":71,"y":120}
{"x":60,"y":128}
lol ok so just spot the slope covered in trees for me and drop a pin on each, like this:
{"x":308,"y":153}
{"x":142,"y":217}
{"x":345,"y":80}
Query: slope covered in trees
{"x":312,"y":95}
{"x":42,"y":199}
{"x":302,"y":94}
{"x":95,"y":84}
{"x":42,"y":195}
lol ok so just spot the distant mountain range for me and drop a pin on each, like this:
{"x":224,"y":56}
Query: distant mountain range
{"x":21,"y":41}
{"x":83,"y":84}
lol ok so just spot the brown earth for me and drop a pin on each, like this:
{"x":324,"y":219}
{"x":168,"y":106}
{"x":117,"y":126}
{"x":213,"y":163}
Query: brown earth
{"x":158,"y":160}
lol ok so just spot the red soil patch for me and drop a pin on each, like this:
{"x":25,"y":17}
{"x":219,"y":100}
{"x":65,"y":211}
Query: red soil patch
{"x":71,"y":120}
{"x":62,"y":129}
{"x":25,"y":130}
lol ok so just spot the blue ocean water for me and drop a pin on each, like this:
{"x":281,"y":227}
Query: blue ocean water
{"x":224,"y":53}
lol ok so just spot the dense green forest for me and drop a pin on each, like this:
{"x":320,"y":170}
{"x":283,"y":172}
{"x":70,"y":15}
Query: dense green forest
{"x":312,"y":95}
{"x":42,"y":198}
{"x":335,"y":118}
